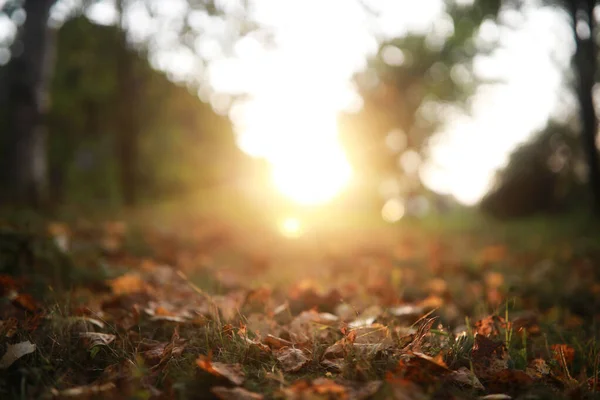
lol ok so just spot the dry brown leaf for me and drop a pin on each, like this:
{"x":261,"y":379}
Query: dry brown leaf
{"x":508,"y":380}
{"x":256,"y":344}
{"x":320,"y":388}
{"x":85,"y":391}
{"x":229,"y":306}
{"x":16,"y":351}
{"x":421,"y":368}
{"x":335,"y":364}
{"x":262,"y":325}
{"x":491,"y":326}
{"x":25,"y":302}
{"x":489,"y":357}
{"x":367,"y":317}
{"x":538,"y":369}
{"x":291,"y":359}
{"x":128,"y":283}
{"x":337,"y":350}
{"x":485,"y":348}
{"x":8,"y":328}
{"x":231,"y":372}
{"x":466,"y":377}
{"x":154,"y":354}
{"x":237,"y":393}
{"x":563,"y":354}
{"x":309,"y":324}
{"x":277,"y":342}
{"x":97,"y":339}
{"x":407,"y":313}
{"x":496,"y":396}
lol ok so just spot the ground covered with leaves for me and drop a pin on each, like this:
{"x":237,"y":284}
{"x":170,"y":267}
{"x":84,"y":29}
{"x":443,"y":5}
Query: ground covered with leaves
{"x":199,"y":309}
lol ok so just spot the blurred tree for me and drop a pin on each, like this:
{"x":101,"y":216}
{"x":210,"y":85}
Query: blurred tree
{"x":542,"y":175}
{"x":182,"y":143}
{"x":24,"y":83}
{"x":521,"y":192}
{"x":586,"y":66}
{"x":128,"y":118}
{"x":411,"y":86}
{"x":25,"y":101}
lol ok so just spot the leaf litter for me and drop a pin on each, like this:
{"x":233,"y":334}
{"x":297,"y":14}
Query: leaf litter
{"x":345,"y":331}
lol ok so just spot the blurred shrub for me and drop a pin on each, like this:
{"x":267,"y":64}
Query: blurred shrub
{"x":545,"y":174}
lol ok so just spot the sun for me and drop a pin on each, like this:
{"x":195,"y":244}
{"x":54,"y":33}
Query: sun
{"x":296,"y":132}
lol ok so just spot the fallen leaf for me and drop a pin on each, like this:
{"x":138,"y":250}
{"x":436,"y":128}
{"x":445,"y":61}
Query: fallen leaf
{"x":231,"y":372}
{"x":291,"y":359}
{"x":320,"y":388}
{"x":229,"y":306}
{"x":97,"y":338}
{"x":128,"y":283}
{"x":84,"y":391}
{"x":237,"y":393}
{"x":8,"y":328}
{"x":277,"y":342}
{"x":421,"y":368}
{"x":262,"y":325}
{"x":154,"y":353}
{"x":16,"y":351}
{"x":25,"y":302}
{"x":489,"y":357}
{"x":466,"y":377}
{"x":537,"y":368}
{"x":335,"y":364}
{"x":367,"y":317}
{"x":490,"y":326}
{"x":563,"y":354}
{"x":309,"y":324}
{"x":497,"y":396}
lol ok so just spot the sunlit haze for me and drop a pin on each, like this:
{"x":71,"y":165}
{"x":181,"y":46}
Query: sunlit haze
{"x":299,"y":84}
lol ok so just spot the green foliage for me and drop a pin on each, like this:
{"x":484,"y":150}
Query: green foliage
{"x":410,"y":85}
{"x":182,"y":144}
{"x":543,"y":174}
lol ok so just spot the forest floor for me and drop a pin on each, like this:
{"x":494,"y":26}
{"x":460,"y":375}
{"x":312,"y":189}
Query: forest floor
{"x":199,"y":308}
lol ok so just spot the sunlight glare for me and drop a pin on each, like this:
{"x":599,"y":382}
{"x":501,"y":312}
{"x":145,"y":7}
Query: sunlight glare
{"x":393,"y":210}
{"x":291,"y":228}
{"x":295,"y":130}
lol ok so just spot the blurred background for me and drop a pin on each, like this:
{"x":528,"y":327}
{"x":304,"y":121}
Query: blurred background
{"x":300,"y":111}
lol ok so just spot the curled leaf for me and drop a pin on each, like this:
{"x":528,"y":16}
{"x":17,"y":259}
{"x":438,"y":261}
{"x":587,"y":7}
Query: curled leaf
{"x":231,"y":372}
{"x":291,"y":359}
{"x":97,"y":339}
{"x":466,"y":377}
{"x":85,"y":391}
{"x":16,"y":351}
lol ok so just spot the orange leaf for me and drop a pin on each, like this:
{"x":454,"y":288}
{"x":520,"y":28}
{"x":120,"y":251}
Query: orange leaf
{"x":25,"y":302}
{"x":563,"y":353}
{"x":231,"y":372}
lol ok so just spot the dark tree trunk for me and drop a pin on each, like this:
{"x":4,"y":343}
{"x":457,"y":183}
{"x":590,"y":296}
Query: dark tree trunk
{"x":582,"y":12}
{"x":128,"y":122}
{"x":23,"y":158}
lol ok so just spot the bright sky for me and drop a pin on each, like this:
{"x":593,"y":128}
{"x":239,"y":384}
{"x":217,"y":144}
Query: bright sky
{"x":310,"y":67}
